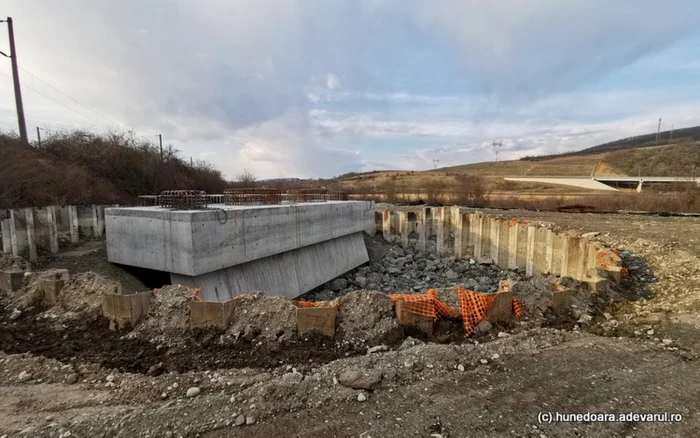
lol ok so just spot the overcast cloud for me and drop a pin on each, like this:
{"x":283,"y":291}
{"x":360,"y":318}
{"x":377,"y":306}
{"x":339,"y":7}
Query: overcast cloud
{"x":314,"y":88}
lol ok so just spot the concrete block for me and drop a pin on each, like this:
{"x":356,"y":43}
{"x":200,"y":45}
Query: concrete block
{"x":288,"y":274}
{"x":561,"y":301}
{"x":482,"y":243}
{"x":6,"y":238}
{"x":521,"y":248}
{"x":540,"y":256}
{"x":50,"y":285}
{"x":530,"y":250}
{"x":471,"y":234}
{"x":63,"y":222}
{"x":31,"y":233}
{"x":52,"y":223}
{"x":11,"y":280}
{"x":501,"y":310}
{"x":597,"y":284}
{"x":87,"y":220}
{"x":386,"y":225}
{"x":423,"y":229}
{"x":513,"y":246}
{"x":496,"y":228}
{"x":549,"y":252}
{"x":404,"y":230}
{"x":573,"y":257}
{"x":557,"y":255}
{"x":423,"y":324}
{"x":457,"y":225}
{"x":45,"y":227}
{"x":317,"y":320}
{"x":210,"y":314}
{"x":443,"y":244}
{"x":503,"y":248}
{"x":22,"y":233}
{"x":125,"y":311}
{"x":73,"y":223}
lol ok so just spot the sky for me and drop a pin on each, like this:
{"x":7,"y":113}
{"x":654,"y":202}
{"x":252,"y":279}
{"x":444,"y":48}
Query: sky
{"x":317,"y":88}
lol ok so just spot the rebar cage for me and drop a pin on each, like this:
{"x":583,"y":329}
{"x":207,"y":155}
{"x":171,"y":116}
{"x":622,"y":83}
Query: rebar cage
{"x":252,"y":196}
{"x":183,"y":199}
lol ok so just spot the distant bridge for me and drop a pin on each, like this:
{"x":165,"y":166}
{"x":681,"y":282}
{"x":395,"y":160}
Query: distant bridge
{"x":608,"y":183}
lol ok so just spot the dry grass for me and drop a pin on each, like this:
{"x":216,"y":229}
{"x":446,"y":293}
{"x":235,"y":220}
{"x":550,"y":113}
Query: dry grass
{"x":82,"y":168}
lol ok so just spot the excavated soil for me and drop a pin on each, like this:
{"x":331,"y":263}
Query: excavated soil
{"x":633,"y":350}
{"x":93,"y":342}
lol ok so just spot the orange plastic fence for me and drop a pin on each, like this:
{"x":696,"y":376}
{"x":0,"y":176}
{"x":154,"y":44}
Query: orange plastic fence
{"x":473,"y":306}
{"x":311,"y":304}
{"x":418,"y":304}
{"x":513,"y":222}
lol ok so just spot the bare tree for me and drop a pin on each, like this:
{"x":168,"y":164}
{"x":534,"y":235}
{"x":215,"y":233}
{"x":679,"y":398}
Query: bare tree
{"x":246,"y":177}
{"x":470,"y":190}
{"x":390,"y":190}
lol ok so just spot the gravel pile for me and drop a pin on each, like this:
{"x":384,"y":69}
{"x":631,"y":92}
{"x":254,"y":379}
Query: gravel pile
{"x":168,"y":317}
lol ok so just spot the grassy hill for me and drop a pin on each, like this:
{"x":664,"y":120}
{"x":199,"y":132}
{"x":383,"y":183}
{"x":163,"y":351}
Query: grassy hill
{"x":82,"y":168}
{"x":668,"y":160}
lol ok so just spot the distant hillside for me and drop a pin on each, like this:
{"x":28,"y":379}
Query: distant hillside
{"x":640,"y":141}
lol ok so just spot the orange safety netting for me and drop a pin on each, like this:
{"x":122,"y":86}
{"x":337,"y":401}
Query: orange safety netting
{"x":473,"y":306}
{"x":513,"y":222}
{"x":312,"y":304}
{"x":518,"y":308}
{"x":418,"y":304}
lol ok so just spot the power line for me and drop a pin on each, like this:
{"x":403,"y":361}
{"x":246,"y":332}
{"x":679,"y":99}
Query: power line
{"x":68,"y":96}
{"x":58,"y":102}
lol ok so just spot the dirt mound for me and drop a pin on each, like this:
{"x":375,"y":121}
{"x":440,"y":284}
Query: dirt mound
{"x":260,"y":315}
{"x":368,"y":317}
{"x":9,"y":262}
{"x":450,"y":297}
{"x":81,"y":296}
{"x":28,"y":297}
{"x":168,"y":316}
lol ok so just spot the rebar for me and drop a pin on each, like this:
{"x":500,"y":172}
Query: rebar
{"x":183,"y":199}
{"x":252,"y":196}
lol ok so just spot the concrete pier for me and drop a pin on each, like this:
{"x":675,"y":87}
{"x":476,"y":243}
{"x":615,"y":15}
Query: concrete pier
{"x":279,"y":249}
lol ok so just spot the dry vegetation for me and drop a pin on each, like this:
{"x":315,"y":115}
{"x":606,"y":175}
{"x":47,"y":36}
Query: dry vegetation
{"x":81,"y":168}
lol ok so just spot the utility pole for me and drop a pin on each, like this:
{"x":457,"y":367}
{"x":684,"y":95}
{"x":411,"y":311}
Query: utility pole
{"x":160,"y":140}
{"x":658,"y":131}
{"x":670,"y":137}
{"x":15,"y":79}
{"x":38,"y":136}
{"x":496,"y":146}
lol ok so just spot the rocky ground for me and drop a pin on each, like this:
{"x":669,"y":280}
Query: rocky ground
{"x":634,"y":353}
{"x":393,"y":269}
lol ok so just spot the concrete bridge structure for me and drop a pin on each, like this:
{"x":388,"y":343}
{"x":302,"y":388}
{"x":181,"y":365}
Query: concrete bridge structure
{"x":607,"y":183}
{"x":227,"y":250}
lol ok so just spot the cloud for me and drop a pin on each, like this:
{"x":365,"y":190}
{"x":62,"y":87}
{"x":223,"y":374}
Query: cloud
{"x":289,"y":146}
{"x":311,"y":89}
{"x":332,"y":82}
{"x":539,"y":46}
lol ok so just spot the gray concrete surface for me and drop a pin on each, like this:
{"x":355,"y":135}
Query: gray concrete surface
{"x":288,"y":274}
{"x":226,"y":250}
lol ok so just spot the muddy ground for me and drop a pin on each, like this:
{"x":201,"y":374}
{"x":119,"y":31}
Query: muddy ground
{"x":635,"y":356}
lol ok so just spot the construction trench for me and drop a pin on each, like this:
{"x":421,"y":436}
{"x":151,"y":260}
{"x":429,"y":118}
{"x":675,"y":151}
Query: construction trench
{"x":434,"y":293}
{"x":255,"y":288}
